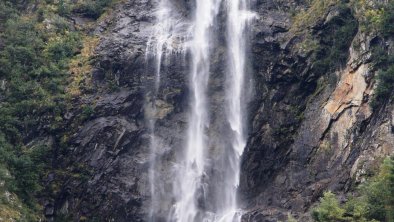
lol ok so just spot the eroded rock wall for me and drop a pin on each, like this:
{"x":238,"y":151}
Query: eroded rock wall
{"x":312,"y":131}
{"x":309,"y":130}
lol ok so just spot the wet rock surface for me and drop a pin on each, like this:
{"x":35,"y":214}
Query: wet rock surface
{"x":308,"y":131}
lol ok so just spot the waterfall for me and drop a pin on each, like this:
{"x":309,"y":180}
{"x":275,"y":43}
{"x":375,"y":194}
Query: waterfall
{"x":237,"y":19}
{"x":162,"y":44}
{"x":191,"y":183}
{"x":192,"y":171}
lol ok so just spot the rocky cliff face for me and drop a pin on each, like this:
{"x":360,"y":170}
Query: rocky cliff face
{"x":312,"y":131}
{"x":311,"y":128}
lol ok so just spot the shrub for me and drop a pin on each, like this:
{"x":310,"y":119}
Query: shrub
{"x":87,"y":112}
{"x":63,"y":8}
{"x":34,"y":63}
{"x":383,"y":22}
{"x":374,"y":203}
{"x":332,"y":52}
{"x":329,"y":209}
{"x":6,"y":11}
{"x":384,"y":88}
{"x":387,"y":20}
{"x":390,"y":186}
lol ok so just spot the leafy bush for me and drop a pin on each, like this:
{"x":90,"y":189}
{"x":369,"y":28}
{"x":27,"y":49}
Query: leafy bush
{"x":385,"y":87}
{"x":38,"y":48}
{"x":87,"y":113}
{"x":67,"y":47}
{"x":333,"y":49}
{"x":329,"y":209}
{"x":315,"y":11}
{"x":387,"y":20}
{"x":34,"y":64}
{"x":383,"y":22}
{"x":63,"y":8}
{"x":374,"y":203}
{"x":6,"y":11}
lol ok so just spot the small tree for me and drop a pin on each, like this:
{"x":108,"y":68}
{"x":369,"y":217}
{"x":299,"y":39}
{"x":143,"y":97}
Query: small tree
{"x":329,"y":209}
{"x":375,"y":201}
{"x":390,"y":187}
{"x":384,"y":87}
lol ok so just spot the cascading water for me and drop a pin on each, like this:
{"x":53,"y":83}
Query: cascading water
{"x":162,"y":44}
{"x":237,"y":19}
{"x":192,"y":166}
{"x":191,"y":183}
{"x":165,"y":38}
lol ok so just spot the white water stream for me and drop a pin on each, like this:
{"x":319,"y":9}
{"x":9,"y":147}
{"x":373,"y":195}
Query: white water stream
{"x":190,"y":184}
{"x":162,"y":45}
{"x":238,"y":17}
{"x":192,"y":170}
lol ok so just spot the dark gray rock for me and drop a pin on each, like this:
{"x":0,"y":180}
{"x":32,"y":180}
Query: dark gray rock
{"x":298,"y":144}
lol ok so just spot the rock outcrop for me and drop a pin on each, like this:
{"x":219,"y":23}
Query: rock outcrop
{"x":309,"y":130}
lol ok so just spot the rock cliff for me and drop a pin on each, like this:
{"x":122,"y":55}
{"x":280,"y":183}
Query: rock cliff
{"x":311,"y":126}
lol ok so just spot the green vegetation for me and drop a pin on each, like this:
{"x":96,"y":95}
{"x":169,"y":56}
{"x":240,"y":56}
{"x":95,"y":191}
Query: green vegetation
{"x":329,"y":209}
{"x":375,"y":200}
{"x":92,"y":8}
{"x":317,"y":10}
{"x":44,"y":61}
{"x":382,"y":21}
{"x":378,"y":17}
{"x":387,"y":20}
{"x":330,"y":49}
{"x":33,"y":72}
{"x":80,"y":67}
{"x":369,"y":15}
{"x":87,"y":112}
{"x":385,"y":87}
